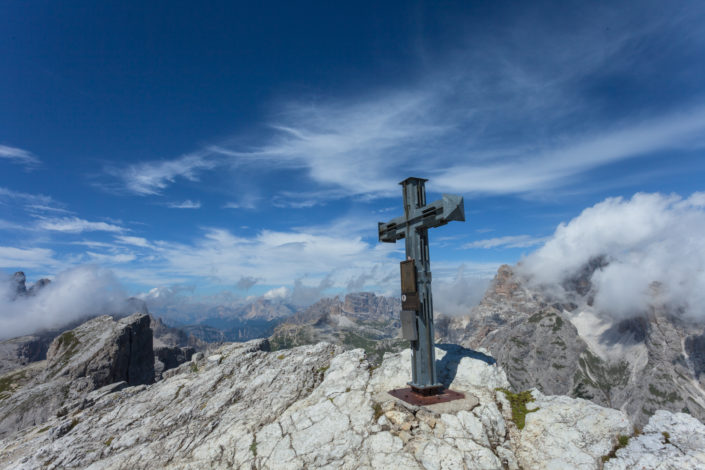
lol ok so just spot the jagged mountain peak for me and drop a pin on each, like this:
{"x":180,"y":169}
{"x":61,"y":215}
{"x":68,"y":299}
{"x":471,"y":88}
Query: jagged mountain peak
{"x":18,"y":285}
{"x":563,"y":345}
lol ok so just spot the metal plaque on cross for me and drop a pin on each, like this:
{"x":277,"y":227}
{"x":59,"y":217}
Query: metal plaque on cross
{"x":417,"y":302}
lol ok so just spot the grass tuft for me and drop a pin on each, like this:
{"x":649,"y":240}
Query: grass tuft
{"x":622,"y":442}
{"x":378,"y":411}
{"x":518,"y":402}
{"x":253,"y":446}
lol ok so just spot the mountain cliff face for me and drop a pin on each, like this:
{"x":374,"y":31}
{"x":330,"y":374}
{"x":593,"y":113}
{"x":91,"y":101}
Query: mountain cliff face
{"x":318,"y":406}
{"x":565,"y":347}
{"x":98,"y":353}
{"x":360,"y":320}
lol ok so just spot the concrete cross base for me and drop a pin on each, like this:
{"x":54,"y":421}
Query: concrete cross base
{"x":412,"y":397}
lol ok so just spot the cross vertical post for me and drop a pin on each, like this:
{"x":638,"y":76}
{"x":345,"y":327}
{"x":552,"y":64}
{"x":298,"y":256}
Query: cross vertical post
{"x":417,"y":300}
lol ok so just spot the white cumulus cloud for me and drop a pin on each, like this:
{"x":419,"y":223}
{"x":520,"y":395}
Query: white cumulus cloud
{"x":654,"y":247}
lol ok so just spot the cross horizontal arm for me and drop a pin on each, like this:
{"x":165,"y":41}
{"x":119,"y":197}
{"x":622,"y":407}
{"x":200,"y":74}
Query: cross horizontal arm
{"x":435,"y":214}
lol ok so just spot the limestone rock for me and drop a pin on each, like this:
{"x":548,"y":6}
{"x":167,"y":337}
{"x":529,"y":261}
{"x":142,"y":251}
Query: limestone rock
{"x":18,"y":352}
{"x":559,"y":344}
{"x":568,"y":433}
{"x":166,"y":358}
{"x":313,"y":406}
{"x":671,"y":441}
{"x":99,"y":352}
{"x":121,"y":351}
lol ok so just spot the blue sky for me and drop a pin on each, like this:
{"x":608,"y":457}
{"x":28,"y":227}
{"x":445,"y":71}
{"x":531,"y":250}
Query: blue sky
{"x":236,"y":149}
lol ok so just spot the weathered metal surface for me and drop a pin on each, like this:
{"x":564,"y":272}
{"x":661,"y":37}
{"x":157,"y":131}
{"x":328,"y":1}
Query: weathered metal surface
{"x":408,"y":395}
{"x":413,"y":227}
{"x":408,"y":325}
{"x":408,"y":277}
{"x":411,"y":301}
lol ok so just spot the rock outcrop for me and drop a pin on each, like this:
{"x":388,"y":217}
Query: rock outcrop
{"x":18,"y":285}
{"x":97,"y":353}
{"x":19,"y":352}
{"x":669,"y":442}
{"x":319,"y":406}
{"x":169,"y":357}
{"x":360,"y":320}
{"x":562,"y":346}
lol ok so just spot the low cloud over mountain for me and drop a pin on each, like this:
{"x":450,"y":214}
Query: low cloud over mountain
{"x":73,"y":294}
{"x":650,"y":250}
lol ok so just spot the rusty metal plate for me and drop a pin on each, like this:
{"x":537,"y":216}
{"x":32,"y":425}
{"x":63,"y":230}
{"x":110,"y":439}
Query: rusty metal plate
{"x":408,"y":277}
{"x":414,"y":398}
{"x":410,"y":301}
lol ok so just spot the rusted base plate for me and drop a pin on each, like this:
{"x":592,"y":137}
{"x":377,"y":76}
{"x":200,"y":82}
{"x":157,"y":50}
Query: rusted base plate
{"x":414,"y":398}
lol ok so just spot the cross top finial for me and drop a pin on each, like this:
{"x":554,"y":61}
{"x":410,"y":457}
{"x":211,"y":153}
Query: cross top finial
{"x":412,"y":179}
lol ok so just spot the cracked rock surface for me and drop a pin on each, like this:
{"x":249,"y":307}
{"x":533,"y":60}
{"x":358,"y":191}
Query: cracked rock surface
{"x":100,"y":352}
{"x":315,"y":406}
{"x":670,"y":441}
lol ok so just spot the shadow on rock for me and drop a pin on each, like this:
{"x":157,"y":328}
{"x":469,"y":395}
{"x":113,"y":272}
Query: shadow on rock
{"x":447,"y":367}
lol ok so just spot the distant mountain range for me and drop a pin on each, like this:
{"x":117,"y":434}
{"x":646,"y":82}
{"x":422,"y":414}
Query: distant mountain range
{"x":560,"y":345}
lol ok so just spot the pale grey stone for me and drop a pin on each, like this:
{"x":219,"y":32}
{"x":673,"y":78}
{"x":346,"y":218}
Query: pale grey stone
{"x":670,"y":441}
{"x":320,"y":407}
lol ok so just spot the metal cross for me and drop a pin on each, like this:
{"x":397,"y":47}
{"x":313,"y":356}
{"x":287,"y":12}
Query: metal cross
{"x":417,"y":303}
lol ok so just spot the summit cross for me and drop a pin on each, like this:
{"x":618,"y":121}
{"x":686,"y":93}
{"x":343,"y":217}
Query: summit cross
{"x":417,"y":302}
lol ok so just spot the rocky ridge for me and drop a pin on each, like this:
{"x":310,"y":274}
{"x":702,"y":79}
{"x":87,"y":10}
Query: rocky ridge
{"x":564,"y":347}
{"x":359,"y":320}
{"x":97,"y":353}
{"x":319,"y":406}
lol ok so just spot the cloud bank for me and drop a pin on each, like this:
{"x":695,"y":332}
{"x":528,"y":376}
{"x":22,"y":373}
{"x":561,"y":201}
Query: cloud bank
{"x":459,"y":295}
{"x":74,"y":294}
{"x":654,"y":247}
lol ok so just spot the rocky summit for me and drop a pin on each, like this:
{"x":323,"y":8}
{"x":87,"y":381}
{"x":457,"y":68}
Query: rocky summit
{"x":101,"y":352}
{"x":319,"y":406}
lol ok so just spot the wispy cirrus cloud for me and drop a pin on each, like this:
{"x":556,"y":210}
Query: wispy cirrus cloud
{"x":117,"y":258}
{"x":511,"y":116}
{"x":75,"y":225}
{"x":150,"y":178}
{"x":134,"y":241}
{"x":33,"y":203}
{"x":19,"y":156}
{"x":245,"y":203}
{"x":518,"y":115}
{"x":510,"y":241}
{"x":34,"y":199}
{"x":187,"y":204}
{"x":355,"y":146}
{"x":22,"y":258}
{"x":553,"y":167}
